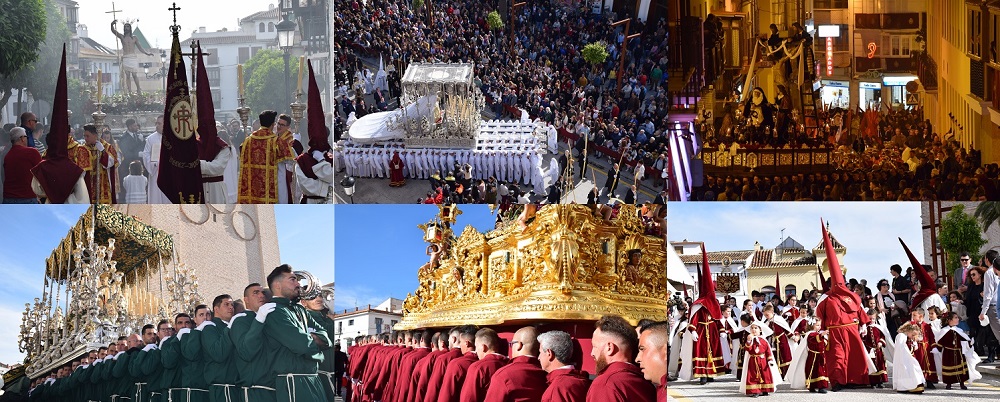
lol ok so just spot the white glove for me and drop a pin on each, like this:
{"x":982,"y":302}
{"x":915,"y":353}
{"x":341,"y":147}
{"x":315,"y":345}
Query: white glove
{"x":181,"y":333}
{"x":100,"y":146}
{"x":205,"y":324}
{"x":149,"y":347}
{"x":694,"y":336}
{"x":311,"y":330}
{"x":264,"y":310}
{"x":318,"y":156}
{"x":164,"y":340}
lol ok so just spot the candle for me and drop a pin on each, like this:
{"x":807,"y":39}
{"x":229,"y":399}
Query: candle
{"x":239,"y":77}
{"x":302,"y":65}
{"x":99,"y":86}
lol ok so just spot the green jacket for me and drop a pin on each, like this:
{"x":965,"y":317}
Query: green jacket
{"x":172,"y":361}
{"x":253,"y":366}
{"x":192,"y":367}
{"x":288,"y":339}
{"x":327,"y":324}
{"x":220,"y":362}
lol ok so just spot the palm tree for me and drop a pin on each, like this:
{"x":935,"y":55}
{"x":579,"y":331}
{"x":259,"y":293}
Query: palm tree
{"x":988,"y":213}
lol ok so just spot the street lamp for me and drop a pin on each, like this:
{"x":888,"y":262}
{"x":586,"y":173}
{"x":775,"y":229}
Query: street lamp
{"x":163,"y":68}
{"x":348,"y":185}
{"x":286,"y":38}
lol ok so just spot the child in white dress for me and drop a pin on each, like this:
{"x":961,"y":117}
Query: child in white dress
{"x":135,"y":184}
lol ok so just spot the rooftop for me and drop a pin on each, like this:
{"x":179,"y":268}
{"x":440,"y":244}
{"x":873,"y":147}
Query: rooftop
{"x":766,"y":259}
{"x":715,"y":257}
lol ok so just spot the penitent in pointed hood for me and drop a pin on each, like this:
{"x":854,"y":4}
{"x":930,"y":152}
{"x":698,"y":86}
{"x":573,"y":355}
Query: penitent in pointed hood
{"x":706,"y":289}
{"x":927,"y":286}
{"x":836,"y":275}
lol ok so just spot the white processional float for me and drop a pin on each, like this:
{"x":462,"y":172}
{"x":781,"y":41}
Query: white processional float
{"x":441,"y":110}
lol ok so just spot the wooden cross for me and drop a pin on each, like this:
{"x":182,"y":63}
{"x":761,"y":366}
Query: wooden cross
{"x":113,"y":12}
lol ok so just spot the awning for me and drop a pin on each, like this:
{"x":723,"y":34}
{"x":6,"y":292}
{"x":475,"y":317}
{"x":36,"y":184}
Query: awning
{"x":676,"y":271}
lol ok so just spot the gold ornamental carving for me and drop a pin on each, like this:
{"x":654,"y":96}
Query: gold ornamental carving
{"x":564,"y":264}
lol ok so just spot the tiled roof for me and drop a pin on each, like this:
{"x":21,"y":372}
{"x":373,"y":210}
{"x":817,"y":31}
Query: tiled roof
{"x":92,"y":44}
{"x":716,"y":256}
{"x":765,"y":259}
{"x":272,"y":13}
{"x":836,"y":244}
{"x":222,"y":40}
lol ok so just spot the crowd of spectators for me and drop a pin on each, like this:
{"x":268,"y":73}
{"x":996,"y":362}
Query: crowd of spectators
{"x":546,"y":75}
{"x":905,"y":161}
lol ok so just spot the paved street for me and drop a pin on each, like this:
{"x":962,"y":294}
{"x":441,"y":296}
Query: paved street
{"x":726,"y":388}
{"x":378,"y":191}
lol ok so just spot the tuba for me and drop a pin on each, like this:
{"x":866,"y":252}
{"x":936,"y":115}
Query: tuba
{"x":310,"y":287}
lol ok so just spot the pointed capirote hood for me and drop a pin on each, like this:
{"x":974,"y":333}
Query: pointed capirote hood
{"x":836,"y":274}
{"x":706,"y":288}
{"x":927,"y":286}
{"x":59,"y":131}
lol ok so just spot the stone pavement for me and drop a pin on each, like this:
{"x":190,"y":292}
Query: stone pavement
{"x":726,"y":388}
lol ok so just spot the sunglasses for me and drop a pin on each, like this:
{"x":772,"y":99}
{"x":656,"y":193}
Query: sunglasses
{"x":964,"y":259}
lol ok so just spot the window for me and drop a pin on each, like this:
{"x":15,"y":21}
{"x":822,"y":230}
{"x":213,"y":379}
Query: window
{"x":393,"y":323}
{"x":217,"y":98}
{"x":254,"y":50}
{"x":789,"y":291}
{"x":378,"y":325}
{"x":340,"y":327}
{"x":261,"y":29}
{"x":270,"y":27}
{"x":894,"y":45}
{"x":212,"y":57}
{"x":821,"y":4}
{"x":213,"y":76}
{"x":975,"y":45}
{"x":842,"y":43}
{"x":244,"y":54}
{"x":350,"y":323}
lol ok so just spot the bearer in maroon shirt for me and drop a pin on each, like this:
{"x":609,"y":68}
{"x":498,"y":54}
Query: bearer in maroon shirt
{"x":454,"y":374}
{"x":566,"y":383}
{"x":618,"y":380}
{"x":477,"y":380}
{"x":523,"y":380}
{"x":652,"y":356}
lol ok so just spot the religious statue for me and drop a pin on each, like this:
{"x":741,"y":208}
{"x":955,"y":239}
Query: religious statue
{"x":631,"y":272}
{"x":129,"y":58}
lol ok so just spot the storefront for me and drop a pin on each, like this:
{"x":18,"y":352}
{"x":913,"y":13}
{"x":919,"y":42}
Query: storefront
{"x":835,"y":94}
{"x":895,"y":90}
{"x":870,"y":94}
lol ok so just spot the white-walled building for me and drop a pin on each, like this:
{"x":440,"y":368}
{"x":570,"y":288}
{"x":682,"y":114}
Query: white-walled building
{"x":366,"y":321}
{"x":227,"y":49}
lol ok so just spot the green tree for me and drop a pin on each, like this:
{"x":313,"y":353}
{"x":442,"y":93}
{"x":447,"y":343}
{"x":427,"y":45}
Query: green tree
{"x":265,"y":76}
{"x":494,"y":21}
{"x":416,"y":4}
{"x":40,"y":77}
{"x":22,"y":30}
{"x":988,"y":213}
{"x":595,"y":53}
{"x":960,"y":232}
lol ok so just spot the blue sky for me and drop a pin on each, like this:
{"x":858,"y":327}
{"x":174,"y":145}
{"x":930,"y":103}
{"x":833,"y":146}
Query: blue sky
{"x":868,"y":229}
{"x":379,"y":249}
{"x":29,"y":233}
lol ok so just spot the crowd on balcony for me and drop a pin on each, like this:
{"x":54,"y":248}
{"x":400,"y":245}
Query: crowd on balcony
{"x":546,"y":75}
